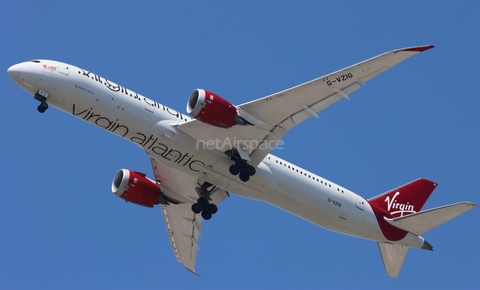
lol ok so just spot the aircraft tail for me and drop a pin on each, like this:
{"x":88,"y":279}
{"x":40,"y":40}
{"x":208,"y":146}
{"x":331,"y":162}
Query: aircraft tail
{"x":406,"y":199}
{"x":401,"y":207}
{"x":419,"y":223}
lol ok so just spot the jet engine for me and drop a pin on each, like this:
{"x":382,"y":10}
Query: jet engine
{"x":212,"y":109}
{"x":136,"y":188}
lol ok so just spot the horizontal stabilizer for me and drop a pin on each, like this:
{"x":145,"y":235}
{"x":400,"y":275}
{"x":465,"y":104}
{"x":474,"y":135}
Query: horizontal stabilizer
{"x":422,"y":222}
{"x":393,"y":257}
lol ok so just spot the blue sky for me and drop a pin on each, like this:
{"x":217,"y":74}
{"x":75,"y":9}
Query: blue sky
{"x":61,"y":227}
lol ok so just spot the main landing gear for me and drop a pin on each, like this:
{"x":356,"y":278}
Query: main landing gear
{"x":203,"y":204}
{"x":41,"y":96}
{"x":241,"y":167}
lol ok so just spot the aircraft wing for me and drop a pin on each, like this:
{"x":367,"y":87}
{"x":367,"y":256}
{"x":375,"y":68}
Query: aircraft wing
{"x":273,"y":116}
{"x":183,"y":226}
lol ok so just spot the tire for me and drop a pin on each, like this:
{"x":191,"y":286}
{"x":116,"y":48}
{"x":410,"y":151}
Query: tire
{"x":202,"y":202}
{"x":206,"y":215}
{"x":244,"y":177}
{"x":196,"y":208}
{"x":241,"y":164}
{"x":251,"y":170}
{"x":213,"y":209}
{"x":234,"y":170}
{"x":42,"y":107}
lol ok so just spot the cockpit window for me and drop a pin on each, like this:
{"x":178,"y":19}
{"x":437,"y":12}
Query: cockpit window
{"x":37,"y":61}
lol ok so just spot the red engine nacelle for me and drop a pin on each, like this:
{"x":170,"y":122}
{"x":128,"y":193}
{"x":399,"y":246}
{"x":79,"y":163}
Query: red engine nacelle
{"x":135,"y":187}
{"x":211,"y":109}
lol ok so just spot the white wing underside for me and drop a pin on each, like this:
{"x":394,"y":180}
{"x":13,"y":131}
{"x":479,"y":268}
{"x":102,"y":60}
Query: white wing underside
{"x":184,"y":229}
{"x":273,"y":116}
{"x":183,"y":226}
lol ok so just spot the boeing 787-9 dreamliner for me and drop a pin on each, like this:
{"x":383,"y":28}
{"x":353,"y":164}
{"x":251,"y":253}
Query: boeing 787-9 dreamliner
{"x":224,"y":148}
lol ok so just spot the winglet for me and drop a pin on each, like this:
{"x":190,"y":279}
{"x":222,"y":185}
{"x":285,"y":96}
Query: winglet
{"x":418,"y":48}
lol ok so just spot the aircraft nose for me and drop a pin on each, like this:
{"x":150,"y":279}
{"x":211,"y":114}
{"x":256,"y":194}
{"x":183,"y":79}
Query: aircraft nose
{"x":14,"y":71}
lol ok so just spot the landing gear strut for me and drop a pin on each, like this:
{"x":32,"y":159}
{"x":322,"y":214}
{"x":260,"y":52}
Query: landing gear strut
{"x":241,"y":167}
{"x":203,"y":204}
{"x":41,"y":96}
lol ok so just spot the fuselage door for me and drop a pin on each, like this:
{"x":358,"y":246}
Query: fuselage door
{"x":360,"y":203}
{"x":267,"y":160}
{"x":346,"y":200}
{"x":63,"y":68}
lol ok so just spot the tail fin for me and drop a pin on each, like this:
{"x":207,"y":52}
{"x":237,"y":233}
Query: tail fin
{"x":406,"y":199}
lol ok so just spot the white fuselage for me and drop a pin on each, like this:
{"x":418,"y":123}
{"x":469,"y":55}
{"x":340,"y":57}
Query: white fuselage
{"x":151,"y":126}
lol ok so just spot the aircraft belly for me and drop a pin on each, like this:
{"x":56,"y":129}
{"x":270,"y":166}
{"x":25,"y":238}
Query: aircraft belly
{"x":304,"y":198}
{"x":323,"y":203}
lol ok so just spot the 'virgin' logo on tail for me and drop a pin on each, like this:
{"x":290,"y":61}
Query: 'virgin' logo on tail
{"x":401,"y":208}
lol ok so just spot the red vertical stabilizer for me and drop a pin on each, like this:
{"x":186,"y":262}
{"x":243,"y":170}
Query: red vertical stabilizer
{"x":406,"y":199}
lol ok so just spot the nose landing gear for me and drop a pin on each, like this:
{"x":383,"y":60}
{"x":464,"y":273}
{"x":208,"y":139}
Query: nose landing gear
{"x":41,"y":96}
{"x":42,"y":107}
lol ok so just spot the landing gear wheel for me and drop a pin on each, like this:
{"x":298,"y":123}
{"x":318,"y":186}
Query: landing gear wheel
{"x":241,"y":164}
{"x":203,"y":205}
{"x":212,"y":208}
{"x":42,"y":107}
{"x":206,"y":215}
{"x":234,"y":170}
{"x":202,"y":202}
{"x":196,"y":208}
{"x":250,"y":170}
{"x":244,"y":177}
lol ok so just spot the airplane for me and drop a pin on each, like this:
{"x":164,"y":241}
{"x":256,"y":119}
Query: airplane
{"x":222,"y":148}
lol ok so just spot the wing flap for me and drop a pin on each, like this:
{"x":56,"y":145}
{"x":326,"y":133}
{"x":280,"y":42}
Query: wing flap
{"x":183,"y":228}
